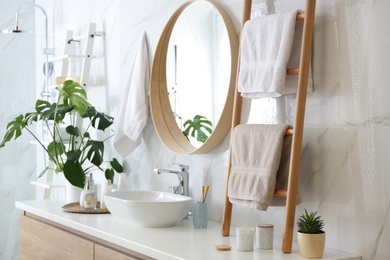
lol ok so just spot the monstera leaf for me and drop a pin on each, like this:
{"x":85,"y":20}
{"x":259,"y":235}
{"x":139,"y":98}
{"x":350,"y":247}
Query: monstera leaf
{"x":99,"y":120}
{"x":54,"y":111}
{"x":95,"y":152}
{"x":55,"y":149}
{"x":198,"y":127}
{"x":116,"y":167}
{"x":74,"y":173}
{"x":73,"y":95}
{"x":14,"y":129}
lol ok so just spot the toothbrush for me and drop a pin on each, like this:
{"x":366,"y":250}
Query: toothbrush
{"x":205,"y":190}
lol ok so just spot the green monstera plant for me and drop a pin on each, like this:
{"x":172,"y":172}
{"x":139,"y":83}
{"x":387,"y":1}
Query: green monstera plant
{"x":198,"y":126}
{"x":76,"y":153}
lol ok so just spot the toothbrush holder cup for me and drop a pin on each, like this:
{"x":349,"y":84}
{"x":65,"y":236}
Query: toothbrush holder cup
{"x":199,"y":215}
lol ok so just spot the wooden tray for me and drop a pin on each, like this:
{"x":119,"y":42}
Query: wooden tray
{"x":75,"y":207}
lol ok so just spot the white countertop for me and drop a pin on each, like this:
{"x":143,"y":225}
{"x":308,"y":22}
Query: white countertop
{"x":179,"y":242}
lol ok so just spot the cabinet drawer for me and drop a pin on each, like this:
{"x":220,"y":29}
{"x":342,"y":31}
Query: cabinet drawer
{"x":105,"y":253}
{"x":39,"y":240}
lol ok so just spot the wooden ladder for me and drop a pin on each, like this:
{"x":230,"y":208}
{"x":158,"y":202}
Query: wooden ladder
{"x":297,"y":131}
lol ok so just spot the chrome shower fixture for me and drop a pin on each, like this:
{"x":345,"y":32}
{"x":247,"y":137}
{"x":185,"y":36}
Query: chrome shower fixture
{"x":16,"y":30}
{"x":47,"y":51}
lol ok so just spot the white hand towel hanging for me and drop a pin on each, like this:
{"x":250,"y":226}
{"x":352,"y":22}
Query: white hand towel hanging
{"x":133,"y":113}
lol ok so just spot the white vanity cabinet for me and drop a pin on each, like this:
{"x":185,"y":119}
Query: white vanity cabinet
{"x":47,"y":232}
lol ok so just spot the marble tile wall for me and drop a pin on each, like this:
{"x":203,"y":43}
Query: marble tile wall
{"x":344,"y":164}
{"x":17,"y":91}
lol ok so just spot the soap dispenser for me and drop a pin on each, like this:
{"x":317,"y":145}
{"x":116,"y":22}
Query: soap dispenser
{"x":88,"y":197}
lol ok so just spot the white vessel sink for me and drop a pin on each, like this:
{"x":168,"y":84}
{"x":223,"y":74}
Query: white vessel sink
{"x":148,"y":208}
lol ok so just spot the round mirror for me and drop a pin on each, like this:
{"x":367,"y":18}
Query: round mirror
{"x":193,"y":78}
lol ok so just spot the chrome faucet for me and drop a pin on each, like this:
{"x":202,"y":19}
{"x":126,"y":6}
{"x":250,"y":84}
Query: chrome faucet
{"x":182,"y":175}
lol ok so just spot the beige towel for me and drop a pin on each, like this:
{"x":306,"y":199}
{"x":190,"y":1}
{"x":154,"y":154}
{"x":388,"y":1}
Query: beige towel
{"x":256,"y":157}
{"x":282,"y":175}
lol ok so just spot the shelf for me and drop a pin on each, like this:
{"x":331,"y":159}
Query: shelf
{"x":48,"y":184}
{"x":84,"y":36}
{"x":64,"y":57}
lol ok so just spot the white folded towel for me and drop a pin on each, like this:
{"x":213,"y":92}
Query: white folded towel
{"x":133,"y":113}
{"x":291,"y":85}
{"x":256,"y":158}
{"x":266,"y":44}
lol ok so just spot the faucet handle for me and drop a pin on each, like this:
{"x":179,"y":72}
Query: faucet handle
{"x":182,"y":167}
{"x":175,"y":189}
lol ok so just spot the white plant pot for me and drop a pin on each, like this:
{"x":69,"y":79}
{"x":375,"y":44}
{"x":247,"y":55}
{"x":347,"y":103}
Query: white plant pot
{"x":72,"y":193}
{"x":311,"y":245}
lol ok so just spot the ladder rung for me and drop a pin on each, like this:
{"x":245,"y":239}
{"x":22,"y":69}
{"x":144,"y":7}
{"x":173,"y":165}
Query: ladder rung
{"x":280,"y":193}
{"x":292,"y":71}
{"x":66,"y":56}
{"x":84,"y":36}
{"x":300,"y":16}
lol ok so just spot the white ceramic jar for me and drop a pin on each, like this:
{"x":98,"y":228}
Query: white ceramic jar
{"x":244,"y":237}
{"x":264,"y":236}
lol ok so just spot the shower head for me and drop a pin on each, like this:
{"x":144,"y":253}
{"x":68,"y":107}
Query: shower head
{"x":15,"y":30}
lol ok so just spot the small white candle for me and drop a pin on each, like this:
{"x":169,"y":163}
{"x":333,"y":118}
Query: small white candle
{"x":245,"y":237}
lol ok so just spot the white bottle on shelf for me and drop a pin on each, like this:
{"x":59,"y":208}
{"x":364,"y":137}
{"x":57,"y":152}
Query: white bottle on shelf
{"x":122,"y":182}
{"x":105,"y":188}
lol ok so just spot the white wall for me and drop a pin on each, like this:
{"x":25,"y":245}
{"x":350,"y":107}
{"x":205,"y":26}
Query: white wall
{"x":17,"y":92}
{"x":344,"y":160}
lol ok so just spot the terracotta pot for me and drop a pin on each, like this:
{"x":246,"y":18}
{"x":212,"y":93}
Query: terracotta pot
{"x":311,"y":245}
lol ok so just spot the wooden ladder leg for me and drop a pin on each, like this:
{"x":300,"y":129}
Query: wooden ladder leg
{"x":296,"y":149}
{"x":227,"y":211}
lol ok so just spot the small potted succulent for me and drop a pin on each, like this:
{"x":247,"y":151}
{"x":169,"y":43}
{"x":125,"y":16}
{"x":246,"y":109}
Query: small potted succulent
{"x":311,"y":236}
{"x":74,"y":152}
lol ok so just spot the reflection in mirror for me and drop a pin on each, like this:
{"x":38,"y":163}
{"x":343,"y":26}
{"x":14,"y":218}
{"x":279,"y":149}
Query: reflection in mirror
{"x":193,"y":76}
{"x":198,"y":65}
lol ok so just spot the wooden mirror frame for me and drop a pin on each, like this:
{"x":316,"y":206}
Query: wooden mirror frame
{"x":163,"y":119}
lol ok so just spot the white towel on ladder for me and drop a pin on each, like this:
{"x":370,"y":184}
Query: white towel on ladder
{"x":133,"y":113}
{"x":266,"y":45}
